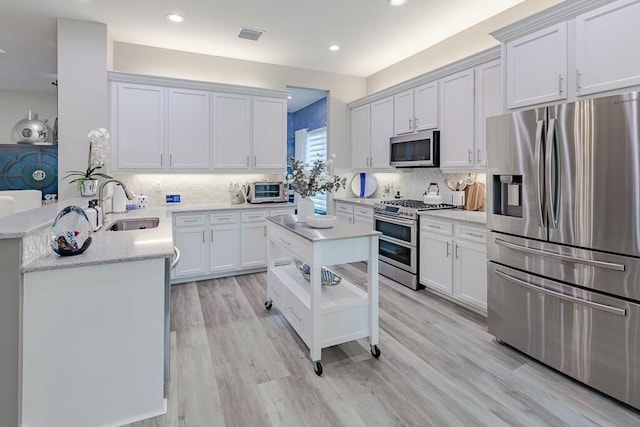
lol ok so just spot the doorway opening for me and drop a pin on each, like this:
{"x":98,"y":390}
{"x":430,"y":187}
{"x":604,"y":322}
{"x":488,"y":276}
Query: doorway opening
{"x":307,"y":135}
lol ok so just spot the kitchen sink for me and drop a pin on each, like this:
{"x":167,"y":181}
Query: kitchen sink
{"x":133,"y":224}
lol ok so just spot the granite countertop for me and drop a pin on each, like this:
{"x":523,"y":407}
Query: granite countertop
{"x":28,"y":222}
{"x":340,"y":229}
{"x":109,"y":247}
{"x":458,"y":215}
{"x":358,"y":200}
{"x":227,"y":206}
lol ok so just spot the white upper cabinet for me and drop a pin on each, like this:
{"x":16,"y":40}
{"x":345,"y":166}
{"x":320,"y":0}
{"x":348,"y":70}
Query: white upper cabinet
{"x":537,"y":67}
{"x":605,"y":42}
{"x":403,"y":116}
{"x":426,"y":106}
{"x":489,"y":102}
{"x":360,"y":136}
{"x":458,"y":121}
{"x":189,"y":129}
{"x":269,"y":133}
{"x":381,"y":133}
{"x":232,"y":131}
{"x":416,"y":109}
{"x":371,"y":129}
{"x":139,"y":114}
{"x":161,"y":125}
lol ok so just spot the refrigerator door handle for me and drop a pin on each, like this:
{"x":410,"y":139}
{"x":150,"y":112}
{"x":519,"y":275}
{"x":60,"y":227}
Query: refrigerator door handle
{"x":539,"y":154}
{"x":561,"y":257}
{"x":559,"y":295}
{"x":553,"y":171}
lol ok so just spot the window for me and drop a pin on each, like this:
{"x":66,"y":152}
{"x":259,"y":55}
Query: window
{"x":313,"y":145}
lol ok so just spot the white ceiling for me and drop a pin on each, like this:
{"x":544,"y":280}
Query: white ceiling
{"x":302,"y":97}
{"x":372,"y":34}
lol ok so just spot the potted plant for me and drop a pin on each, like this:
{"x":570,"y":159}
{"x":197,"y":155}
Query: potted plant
{"x":309,"y":179}
{"x":87,"y":180}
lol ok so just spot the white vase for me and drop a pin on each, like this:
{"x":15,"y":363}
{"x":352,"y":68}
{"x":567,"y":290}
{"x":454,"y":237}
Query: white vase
{"x":305,"y":208}
{"x":89,"y":187}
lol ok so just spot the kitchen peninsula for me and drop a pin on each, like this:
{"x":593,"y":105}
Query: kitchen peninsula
{"x":83,"y":336}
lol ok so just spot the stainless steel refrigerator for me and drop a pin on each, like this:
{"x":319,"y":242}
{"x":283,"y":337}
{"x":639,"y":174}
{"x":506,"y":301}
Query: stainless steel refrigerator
{"x":564,"y":248}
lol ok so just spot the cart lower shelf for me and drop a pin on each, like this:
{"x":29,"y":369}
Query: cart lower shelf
{"x":344,"y":308}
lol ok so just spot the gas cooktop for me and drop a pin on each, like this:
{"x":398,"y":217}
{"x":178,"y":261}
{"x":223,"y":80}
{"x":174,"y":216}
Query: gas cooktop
{"x":406,"y":208}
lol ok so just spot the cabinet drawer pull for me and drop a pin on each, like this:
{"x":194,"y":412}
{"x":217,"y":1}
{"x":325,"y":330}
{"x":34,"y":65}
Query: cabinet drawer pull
{"x":299,"y":319}
{"x":479,"y":236}
{"x":437,"y":227}
{"x":190,"y":220}
{"x":283,"y":240}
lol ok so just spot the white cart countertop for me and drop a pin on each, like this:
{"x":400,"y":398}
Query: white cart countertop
{"x":340,"y":230}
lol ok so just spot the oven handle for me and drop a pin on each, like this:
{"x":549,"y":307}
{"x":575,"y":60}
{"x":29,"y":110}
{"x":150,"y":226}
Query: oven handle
{"x":559,"y":295}
{"x":408,"y":223}
{"x":397,"y":242}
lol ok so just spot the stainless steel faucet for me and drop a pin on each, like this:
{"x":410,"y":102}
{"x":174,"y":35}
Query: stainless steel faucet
{"x":127,"y":193}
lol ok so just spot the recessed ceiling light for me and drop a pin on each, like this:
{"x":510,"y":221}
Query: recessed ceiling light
{"x":334,"y":48}
{"x":174,"y":17}
{"x":397,"y":2}
{"x":289,"y":97}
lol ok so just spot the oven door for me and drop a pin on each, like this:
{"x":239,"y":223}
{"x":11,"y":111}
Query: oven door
{"x":397,"y":230}
{"x":397,"y":254}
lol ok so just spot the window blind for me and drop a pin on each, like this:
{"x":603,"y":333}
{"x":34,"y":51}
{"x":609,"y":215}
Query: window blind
{"x":316,"y":148}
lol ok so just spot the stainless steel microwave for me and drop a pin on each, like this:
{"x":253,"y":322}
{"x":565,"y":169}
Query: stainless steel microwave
{"x":420,"y":149}
{"x":266,"y":191}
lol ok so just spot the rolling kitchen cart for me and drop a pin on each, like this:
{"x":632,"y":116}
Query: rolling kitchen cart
{"x":323,"y":316}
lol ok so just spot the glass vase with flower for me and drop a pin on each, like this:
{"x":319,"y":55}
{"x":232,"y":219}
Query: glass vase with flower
{"x":309,"y":179}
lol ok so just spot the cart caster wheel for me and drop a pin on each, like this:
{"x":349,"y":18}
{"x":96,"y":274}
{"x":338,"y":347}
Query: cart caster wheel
{"x":318,"y":369}
{"x":375,"y":351}
{"x":498,"y":341}
{"x":268,"y":305}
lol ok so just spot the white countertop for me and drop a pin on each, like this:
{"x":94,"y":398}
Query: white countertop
{"x":111,"y":246}
{"x":458,"y":215}
{"x":117,"y":246}
{"x":340,"y":229}
{"x":358,"y":200}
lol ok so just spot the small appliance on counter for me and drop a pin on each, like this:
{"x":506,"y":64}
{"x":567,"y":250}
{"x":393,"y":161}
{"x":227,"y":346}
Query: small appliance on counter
{"x":266,"y":192}
{"x":236,"y":194}
{"x":31,"y":130}
{"x":432,"y":195}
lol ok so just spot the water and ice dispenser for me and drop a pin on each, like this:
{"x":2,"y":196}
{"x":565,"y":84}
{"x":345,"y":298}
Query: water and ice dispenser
{"x":507,"y":195}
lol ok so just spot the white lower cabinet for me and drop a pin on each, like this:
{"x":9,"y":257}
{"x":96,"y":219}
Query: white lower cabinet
{"x":254,"y":244}
{"x":453,"y":261}
{"x":189,"y":238}
{"x":217,"y":243}
{"x":356,"y":214}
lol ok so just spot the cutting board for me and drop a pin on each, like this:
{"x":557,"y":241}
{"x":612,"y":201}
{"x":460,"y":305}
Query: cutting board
{"x":475,"y":197}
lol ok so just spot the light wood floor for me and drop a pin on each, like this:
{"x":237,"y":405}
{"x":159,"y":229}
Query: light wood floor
{"x":236,"y":364}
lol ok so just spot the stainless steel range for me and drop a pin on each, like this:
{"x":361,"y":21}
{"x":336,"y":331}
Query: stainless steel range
{"x":398,"y":250}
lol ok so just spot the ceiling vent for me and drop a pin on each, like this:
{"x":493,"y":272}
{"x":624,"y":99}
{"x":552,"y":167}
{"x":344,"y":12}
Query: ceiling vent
{"x":250,"y":34}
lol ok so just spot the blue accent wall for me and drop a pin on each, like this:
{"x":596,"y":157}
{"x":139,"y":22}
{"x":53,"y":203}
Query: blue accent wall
{"x":311,"y":117}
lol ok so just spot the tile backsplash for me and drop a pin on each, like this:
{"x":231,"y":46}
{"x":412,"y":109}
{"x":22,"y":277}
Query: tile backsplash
{"x":214,"y":188}
{"x":193,"y":188}
{"x":412,"y":183}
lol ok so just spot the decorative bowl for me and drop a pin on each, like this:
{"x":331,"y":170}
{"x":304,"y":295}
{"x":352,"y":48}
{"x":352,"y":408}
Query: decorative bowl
{"x":328,"y":278}
{"x":321,"y":221}
{"x":71,"y":232}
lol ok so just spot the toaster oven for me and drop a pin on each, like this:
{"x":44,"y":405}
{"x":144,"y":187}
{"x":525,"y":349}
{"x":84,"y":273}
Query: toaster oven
{"x":266,"y":191}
